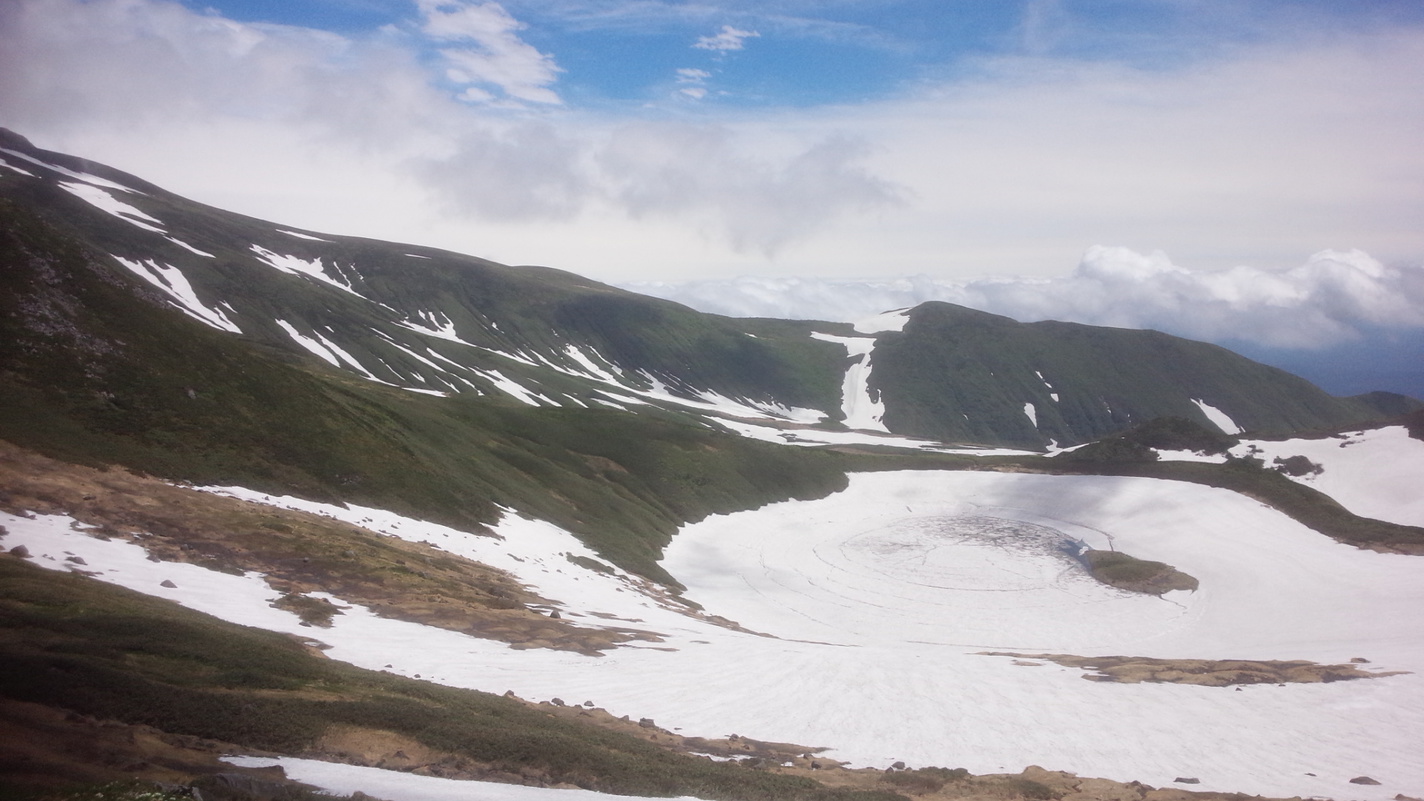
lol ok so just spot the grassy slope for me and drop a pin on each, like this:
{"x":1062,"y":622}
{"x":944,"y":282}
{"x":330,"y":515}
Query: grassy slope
{"x":964,"y":375}
{"x":509,"y":309}
{"x":103,"y":651}
{"x":97,"y":375}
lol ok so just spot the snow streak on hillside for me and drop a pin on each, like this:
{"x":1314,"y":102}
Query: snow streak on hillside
{"x":876,"y":603}
{"x":860,"y":406}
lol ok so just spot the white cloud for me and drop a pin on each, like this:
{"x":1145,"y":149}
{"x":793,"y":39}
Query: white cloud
{"x":705,"y":173}
{"x":1334,"y":297}
{"x":728,"y":38}
{"x":693,"y":82}
{"x":353,"y":136}
{"x":1256,"y":154}
{"x":498,"y":56}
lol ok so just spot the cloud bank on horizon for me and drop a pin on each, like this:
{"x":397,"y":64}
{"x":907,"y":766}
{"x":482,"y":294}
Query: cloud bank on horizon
{"x":1333,"y":298}
{"x":640,"y":140}
{"x":1341,"y":319}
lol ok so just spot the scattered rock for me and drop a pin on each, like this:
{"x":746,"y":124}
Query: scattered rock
{"x":647,"y":723}
{"x":20,"y":551}
{"x":1359,"y":660}
{"x":554,"y":614}
{"x":1363,"y":780}
{"x":898,"y":766}
{"x":168,"y":583}
{"x":1187,"y":780}
{"x":556,"y":701}
{"x":78,"y":560}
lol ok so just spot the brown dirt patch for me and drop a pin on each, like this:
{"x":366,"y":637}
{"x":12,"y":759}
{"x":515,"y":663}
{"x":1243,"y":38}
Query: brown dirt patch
{"x":299,"y":553}
{"x":1202,"y":672}
{"x":42,"y":746}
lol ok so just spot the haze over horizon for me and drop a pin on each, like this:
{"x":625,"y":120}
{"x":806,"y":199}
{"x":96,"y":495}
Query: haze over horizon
{"x":1231,"y":171}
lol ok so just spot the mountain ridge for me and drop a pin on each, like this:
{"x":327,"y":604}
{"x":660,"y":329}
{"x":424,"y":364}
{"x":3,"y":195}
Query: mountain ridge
{"x":435,"y":321}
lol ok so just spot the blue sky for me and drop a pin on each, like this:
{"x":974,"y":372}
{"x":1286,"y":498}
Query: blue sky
{"x":809,"y":53}
{"x":1093,"y":157}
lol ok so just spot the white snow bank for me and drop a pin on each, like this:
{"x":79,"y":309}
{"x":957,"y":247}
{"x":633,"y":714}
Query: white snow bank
{"x":106,"y":202}
{"x":1218,"y":418}
{"x":311,"y":344}
{"x":300,"y":235}
{"x":1373,"y":473}
{"x":173,"y":283}
{"x":885,"y":321}
{"x":815,"y":437}
{"x":391,"y":785}
{"x":292,"y":265}
{"x":890,"y":572}
{"x":860,"y":410}
{"x":88,"y":178}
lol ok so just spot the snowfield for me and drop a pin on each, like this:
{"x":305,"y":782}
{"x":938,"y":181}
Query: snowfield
{"x":1373,"y":473}
{"x":872,"y":606}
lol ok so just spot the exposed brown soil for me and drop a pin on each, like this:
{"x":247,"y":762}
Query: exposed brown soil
{"x":1203,"y":672}
{"x":42,"y":746}
{"x":299,"y":553}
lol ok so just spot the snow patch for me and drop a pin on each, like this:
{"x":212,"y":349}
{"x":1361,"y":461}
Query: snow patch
{"x":87,"y":178}
{"x":173,"y":283}
{"x":341,"y":779}
{"x":1218,"y":418}
{"x":7,"y":165}
{"x":313,"y":345}
{"x":881,"y":323}
{"x":1031,"y":412}
{"x":293,"y":265}
{"x":860,"y":410}
{"x":1373,"y":473}
{"x":106,"y":202}
{"x":299,"y":235}
{"x":1051,"y":393}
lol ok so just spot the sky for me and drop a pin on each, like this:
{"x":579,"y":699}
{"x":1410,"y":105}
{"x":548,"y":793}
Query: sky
{"x":1197,"y":143}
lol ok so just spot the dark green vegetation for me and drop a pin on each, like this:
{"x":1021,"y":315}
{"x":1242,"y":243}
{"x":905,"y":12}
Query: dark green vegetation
{"x":110,"y":653}
{"x":961,"y":375}
{"x":97,"y":374}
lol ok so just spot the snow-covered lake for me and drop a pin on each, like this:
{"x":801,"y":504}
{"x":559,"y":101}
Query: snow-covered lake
{"x":872,"y":606}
